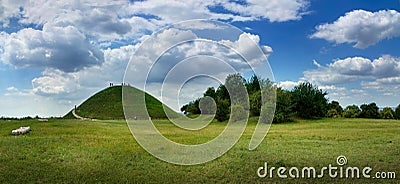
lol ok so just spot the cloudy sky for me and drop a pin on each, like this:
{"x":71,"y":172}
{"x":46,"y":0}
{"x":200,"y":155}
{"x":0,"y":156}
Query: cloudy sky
{"x":55,"y":54}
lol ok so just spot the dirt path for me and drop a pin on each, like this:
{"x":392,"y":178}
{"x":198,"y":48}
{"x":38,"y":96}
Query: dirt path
{"x":79,"y":117}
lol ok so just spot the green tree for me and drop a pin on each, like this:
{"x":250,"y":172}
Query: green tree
{"x":210,"y":92}
{"x":254,"y":92}
{"x":268,"y":106}
{"x":223,"y":110}
{"x":235,"y":84}
{"x":207,"y":105}
{"x":184,"y":108}
{"x":397,"y":112}
{"x":283,"y":110}
{"x":253,"y":85}
{"x":334,"y":109}
{"x":333,"y":113}
{"x":387,"y":113}
{"x":309,"y":101}
{"x":351,"y":111}
{"x":193,"y":107}
{"x":369,"y":110}
{"x":255,"y":103}
{"x":238,"y":113}
{"x":255,"y":97}
{"x":232,"y":97}
{"x":222,"y":93}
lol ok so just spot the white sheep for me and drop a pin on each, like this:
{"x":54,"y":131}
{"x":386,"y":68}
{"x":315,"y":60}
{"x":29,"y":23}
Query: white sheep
{"x":21,"y":130}
{"x":14,"y":132}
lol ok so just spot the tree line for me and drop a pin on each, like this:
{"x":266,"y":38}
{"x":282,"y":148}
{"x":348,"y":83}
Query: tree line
{"x":304,"y":101}
{"x":3,"y":118}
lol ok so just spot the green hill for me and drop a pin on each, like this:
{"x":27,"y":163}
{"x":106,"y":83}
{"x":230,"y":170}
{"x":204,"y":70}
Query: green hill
{"x":107,"y":104}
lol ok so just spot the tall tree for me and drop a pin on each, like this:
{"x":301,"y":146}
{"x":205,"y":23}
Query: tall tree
{"x":369,"y":110}
{"x":253,"y":85}
{"x":255,"y":103}
{"x":268,"y":96}
{"x":193,"y":107}
{"x":335,"y":105}
{"x":222,"y":93}
{"x":387,"y":113}
{"x":397,"y":112}
{"x":210,"y":92}
{"x":309,"y":101}
{"x":223,"y":110}
{"x":184,"y":108}
{"x":235,"y":84}
{"x":283,"y":109}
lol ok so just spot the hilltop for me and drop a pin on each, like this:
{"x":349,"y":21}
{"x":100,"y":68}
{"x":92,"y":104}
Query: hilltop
{"x":107,"y":104}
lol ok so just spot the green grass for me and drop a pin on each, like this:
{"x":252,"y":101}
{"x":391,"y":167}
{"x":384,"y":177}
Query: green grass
{"x":107,"y":104}
{"x":74,"y":151}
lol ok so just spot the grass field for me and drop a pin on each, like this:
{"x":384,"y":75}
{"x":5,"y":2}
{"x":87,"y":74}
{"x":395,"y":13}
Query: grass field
{"x":75,"y":151}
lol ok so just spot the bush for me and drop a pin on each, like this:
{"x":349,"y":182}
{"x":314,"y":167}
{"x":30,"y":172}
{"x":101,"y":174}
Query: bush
{"x":334,"y":110}
{"x":280,"y":118}
{"x":267,"y":115}
{"x":192,"y":107}
{"x":255,"y":103}
{"x":238,"y":113}
{"x":333,"y":113}
{"x":351,"y":111}
{"x":207,"y":105}
{"x":387,"y":113}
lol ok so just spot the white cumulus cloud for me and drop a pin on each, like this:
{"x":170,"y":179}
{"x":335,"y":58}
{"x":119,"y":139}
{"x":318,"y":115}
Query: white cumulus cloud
{"x":288,"y":85}
{"x":63,"y":48}
{"x":273,"y":10}
{"x":352,"y":66}
{"x":375,"y":77}
{"x":348,"y":70}
{"x":363,"y":28}
{"x":55,"y":82}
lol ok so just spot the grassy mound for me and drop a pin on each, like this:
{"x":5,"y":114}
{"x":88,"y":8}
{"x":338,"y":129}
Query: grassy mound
{"x":107,"y":104}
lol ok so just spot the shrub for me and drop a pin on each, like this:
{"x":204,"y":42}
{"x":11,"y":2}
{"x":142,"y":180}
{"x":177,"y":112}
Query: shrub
{"x":255,"y":103}
{"x":387,"y":113}
{"x":334,"y":107}
{"x":238,"y":113}
{"x":207,"y":105}
{"x":280,"y":118}
{"x":351,"y":111}
{"x":267,"y":115}
{"x":333,"y":113}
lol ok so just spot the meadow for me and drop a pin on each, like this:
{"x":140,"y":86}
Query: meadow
{"x":104,"y":151}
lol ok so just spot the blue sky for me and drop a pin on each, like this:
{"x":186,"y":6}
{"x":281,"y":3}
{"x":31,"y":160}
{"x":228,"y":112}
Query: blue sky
{"x":54,"y":55}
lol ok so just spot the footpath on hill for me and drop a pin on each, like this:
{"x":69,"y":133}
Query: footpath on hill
{"x":79,"y":117}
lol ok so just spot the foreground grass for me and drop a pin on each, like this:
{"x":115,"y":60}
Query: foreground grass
{"x":73,"y":151}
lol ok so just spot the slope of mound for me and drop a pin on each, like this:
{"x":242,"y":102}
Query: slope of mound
{"x":107,"y":104}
